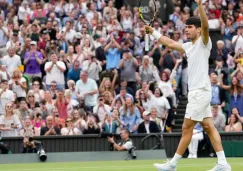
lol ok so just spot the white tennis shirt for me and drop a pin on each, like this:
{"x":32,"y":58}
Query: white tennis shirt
{"x":197,"y":57}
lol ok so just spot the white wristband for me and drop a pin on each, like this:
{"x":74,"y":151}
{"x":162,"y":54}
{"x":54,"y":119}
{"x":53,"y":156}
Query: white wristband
{"x":156,"y":35}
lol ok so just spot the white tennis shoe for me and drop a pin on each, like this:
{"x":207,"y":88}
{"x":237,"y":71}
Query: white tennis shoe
{"x":165,"y":167}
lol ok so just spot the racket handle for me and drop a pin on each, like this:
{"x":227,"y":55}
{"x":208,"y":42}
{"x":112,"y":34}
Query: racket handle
{"x":147,"y":42}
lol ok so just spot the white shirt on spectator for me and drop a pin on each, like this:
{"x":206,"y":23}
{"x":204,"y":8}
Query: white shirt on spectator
{"x":23,"y":12}
{"x":74,"y":131}
{"x":3,"y":37}
{"x":82,"y":88}
{"x":160,"y":103}
{"x":20,"y":92}
{"x":127,"y":145}
{"x":94,"y":68}
{"x":12,"y":63}
{"x":69,"y":35}
{"x":7,"y":96}
{"x":101,"y":111}
{"x":239,"y":43}
{"x":90,"y":16}
{"x":3,"y":76}
{"x":7,"y":124}
{"x":198,"y":55}
{"x":55,"y":74}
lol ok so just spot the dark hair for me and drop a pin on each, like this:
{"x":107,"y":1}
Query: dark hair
{"x":161,"y":94}
{"x":126,"y":131}
{"x":194,"y":21}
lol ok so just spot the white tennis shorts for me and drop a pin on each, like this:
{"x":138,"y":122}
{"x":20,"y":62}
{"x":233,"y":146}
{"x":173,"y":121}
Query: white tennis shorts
{"x":198,"y":106}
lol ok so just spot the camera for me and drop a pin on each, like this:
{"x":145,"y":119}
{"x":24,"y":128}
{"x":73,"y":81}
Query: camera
{"x":132,"y":152}
{"x":105,"y":135}
{"x":42,"y":155}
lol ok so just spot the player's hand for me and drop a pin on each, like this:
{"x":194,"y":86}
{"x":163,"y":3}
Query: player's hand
{"x":150,"y":29}
{"x":199,"y":2}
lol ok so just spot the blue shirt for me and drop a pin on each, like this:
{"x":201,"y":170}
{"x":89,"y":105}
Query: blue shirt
{"x":74,"y":75}
{"x":198,"y":127}
{"x":215,"y":95}
{"x":113,"y":57}
{"x":130,"y":118}
{"x":126,"y":96}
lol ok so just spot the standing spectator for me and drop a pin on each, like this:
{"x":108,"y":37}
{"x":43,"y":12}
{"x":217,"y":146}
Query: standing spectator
{"x":113,"y":54}
{"x":37,"y":90}
{"x":107,"y":85}
{"x":101,"y":109}
{"x":196,"y":137}
{"x":9,"y":122}
{"x":128,"y":67}
{"x":87,"y":88}
{"x":55,"y":69}
{"x":233,"y":125}
{"x":69,"y":33}
{"x":4,"y":35}
{"x":32,"y":103}
{"x":93,"y":67}
{"x":28,"y":129}
{"x":61,"y":104}
{"x":100,"y":52}
{"x":11,"y":60}
{"x":218,"y":118}
{"x":146,"y":70}
{"x":110,"y":123}
{"x":49,"y":129}
{"x":6,"y":96}
{"x":148,"y":126}
{"x":237,"y":40}
{"x":33,"y":60}
{"x":130,"y":116}
{"x":235,"y":90}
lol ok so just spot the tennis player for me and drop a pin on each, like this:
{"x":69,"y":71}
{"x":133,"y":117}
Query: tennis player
{"x":199,"y":96}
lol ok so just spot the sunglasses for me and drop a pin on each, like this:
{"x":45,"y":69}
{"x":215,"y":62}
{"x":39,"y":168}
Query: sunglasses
{"x":9,"y":106}
{"x":68,"y":121}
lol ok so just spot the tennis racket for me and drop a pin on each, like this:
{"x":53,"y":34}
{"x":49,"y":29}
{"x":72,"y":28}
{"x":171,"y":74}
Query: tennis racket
{"x":147,"y":11}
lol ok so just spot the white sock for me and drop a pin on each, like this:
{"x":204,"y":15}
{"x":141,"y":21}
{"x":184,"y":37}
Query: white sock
{"x":221,"y":158}
{"x":175,"y":159}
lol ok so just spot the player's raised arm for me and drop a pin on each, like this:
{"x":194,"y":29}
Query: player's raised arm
{"x":204,"y":22}
{"x":165,"y":40}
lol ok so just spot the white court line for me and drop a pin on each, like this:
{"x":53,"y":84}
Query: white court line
{"x":112,"y":167}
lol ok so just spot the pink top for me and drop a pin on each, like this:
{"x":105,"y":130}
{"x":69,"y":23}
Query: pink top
{"x":62,"y":110}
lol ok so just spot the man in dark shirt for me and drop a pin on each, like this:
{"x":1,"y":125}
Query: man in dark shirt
{"x":147,"y":126}
{"x":92,"y":127}
{"x":100,"y":53}
{"x":52,"y":32}
{"x":49,"y":129}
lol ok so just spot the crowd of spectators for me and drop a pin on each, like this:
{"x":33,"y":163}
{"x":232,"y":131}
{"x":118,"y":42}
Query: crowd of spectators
{"x":72,"y":67}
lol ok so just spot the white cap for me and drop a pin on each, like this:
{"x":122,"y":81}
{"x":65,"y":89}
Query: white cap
{"x":146,"y":113}
{"x":33,"y":43}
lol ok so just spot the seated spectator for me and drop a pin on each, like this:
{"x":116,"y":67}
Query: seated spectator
{"x":32,"y":104}
{"x":110,"y":123}
{"x":153,"y":117}
{"x":74,"y":72}
{"x":38,"y":122}
{"x":147,"y":126}
{"x":108,"y":98}
{"x":123,"y":95}
{"x":9,"y":122}
{"x":53,"y":90}
{"x":91,"y":126}
{"x":101,"y":109}
{"x":196,"y":137}
{"x":69,"y":129}
{"x":57,"y":121}
{"x":37,"y":89}
{"x":24,"y":110}
{"x":125,"y":144}
{"x":28,"y":129}
{"x":78,"y":120}
{"x":218,"y":118}
{"x":238,"y":73}
{"x":123,"y":85}
{"x":234,"y":124}
{"x":18,"y":84}
{"x":49,"y":129}
{"x":130,"y":116}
